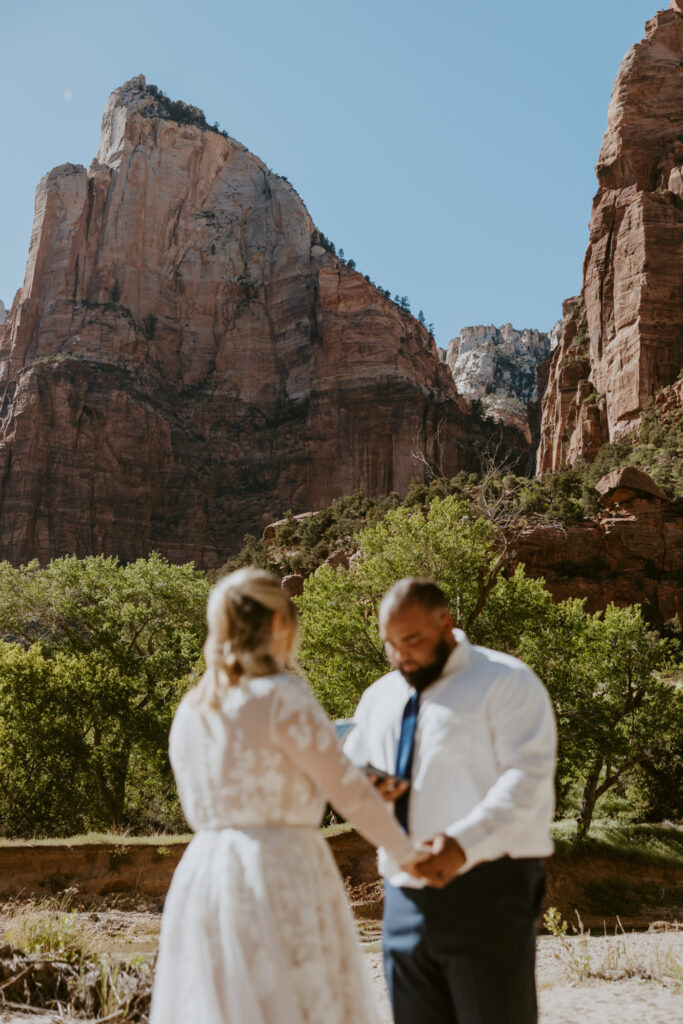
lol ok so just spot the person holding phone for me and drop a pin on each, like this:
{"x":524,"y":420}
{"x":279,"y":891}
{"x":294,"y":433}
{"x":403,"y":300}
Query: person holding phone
{"x":461,"y":740}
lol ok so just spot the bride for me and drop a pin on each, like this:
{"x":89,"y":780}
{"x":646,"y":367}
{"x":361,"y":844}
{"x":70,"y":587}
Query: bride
{"x":256,"y":927}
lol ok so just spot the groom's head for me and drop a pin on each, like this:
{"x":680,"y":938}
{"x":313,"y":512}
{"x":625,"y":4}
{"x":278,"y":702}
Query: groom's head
{"x":417,"y":630}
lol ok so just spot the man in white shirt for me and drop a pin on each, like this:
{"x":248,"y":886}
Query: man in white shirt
{"x":473,"y":732}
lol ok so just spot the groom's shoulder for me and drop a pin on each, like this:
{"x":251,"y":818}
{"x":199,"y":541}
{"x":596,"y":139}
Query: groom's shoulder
{"x":497,"y":667}
{"x":499,"y":660}
{"x":385,"y":686}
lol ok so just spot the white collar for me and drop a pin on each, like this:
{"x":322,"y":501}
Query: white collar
{"x":459,"y":656}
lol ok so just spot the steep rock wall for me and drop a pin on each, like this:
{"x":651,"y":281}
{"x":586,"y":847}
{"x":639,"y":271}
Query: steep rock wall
{"x":183,"y":361}
{"x":622,"y":339}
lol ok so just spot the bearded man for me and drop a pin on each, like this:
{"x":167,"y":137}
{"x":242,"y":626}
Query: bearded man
{"x":467,"y":737}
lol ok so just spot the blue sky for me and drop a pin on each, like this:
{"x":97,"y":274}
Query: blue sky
{"x":447,"y":146}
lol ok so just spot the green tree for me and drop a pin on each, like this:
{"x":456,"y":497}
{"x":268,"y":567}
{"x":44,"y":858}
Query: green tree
{"x":341,"y":648}
{"x":656,"y":789}
{"x":145,"y":619}
{"x":616,"y":711}
{"x":617,"y":714}
{"x":42,"y":784}
{"x":109,"y":647}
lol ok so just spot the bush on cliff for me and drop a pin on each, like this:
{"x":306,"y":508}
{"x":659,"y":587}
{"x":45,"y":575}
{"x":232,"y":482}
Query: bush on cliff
{"x":180,"y":112}
{"x":569,"y":495}
{"x":510,"y":502}
{"x":302,"y":545}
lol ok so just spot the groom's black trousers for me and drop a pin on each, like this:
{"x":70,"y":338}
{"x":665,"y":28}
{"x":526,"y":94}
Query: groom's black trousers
{"x":465,"y":954}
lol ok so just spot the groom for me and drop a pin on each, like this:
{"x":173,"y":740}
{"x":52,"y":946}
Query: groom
{"x":473,"y":732}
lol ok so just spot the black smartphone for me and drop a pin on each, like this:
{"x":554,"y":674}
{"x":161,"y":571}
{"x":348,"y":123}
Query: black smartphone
{"x":379,"y":773}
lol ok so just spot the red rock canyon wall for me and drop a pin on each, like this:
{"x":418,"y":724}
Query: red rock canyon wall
{"x":183,"y":363}
{"x":622,"y":339}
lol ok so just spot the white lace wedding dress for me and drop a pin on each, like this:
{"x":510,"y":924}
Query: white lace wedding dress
{"x":256,"y":927}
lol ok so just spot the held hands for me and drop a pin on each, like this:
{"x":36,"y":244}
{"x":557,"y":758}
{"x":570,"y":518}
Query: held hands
{"x":438,"y":860}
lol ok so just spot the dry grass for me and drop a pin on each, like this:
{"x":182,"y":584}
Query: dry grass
{"x":100,"y":838}
{"x":51,"y":927}
{"x":58,"y":965}
{"x":48,"y":932}
{"x":617,"y":957}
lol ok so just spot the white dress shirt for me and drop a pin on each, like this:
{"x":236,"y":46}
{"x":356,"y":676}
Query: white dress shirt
{"x":484,"y":755}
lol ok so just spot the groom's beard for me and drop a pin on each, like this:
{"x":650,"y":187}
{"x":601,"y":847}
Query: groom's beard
{"x":423,"y":677}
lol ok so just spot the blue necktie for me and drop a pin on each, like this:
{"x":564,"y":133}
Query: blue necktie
{"x":404,"y":754}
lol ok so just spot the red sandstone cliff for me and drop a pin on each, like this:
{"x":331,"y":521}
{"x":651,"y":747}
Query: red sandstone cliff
{"x":632,"y":553}
{"x":622,"y":339}
{"x":183,"y":362}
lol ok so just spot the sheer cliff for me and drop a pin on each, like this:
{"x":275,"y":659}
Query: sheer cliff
{"x":184,"y":361}
{"x":622,"y":338}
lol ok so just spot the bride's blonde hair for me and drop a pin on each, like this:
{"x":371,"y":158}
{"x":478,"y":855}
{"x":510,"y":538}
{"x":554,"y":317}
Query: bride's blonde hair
{"x":239,"y":614}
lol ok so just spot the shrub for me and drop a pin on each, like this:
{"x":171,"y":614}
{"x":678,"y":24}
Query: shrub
{"x":33,"y":929}
{"x":180,"y":112}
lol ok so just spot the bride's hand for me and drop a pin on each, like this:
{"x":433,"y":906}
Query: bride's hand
{"x":411,"y":867}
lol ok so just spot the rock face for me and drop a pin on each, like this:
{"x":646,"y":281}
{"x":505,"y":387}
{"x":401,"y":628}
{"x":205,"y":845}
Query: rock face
{"x":632,"y":553}
{"x":626,"y":485}
{"x":622,"y":339}
{"x":3,"y":313}
{"x":498,"y":367}
{"x":184,"y":361}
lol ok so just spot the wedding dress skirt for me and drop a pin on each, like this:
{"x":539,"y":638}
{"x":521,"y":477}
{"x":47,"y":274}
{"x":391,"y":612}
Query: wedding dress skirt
{"x":256,"y":926}
{"x":257,"y":930}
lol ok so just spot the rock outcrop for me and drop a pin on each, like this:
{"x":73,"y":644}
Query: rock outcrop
{"x":3,"y":313}
{"x":622,"y":339}
{"x":498,"y":367}
{"x":632,"y":553}
{"x":627,"y":485}
{"x":184,"y":361}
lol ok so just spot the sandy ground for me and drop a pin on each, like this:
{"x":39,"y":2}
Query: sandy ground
{"x":632,"y":1000}
{"x":645,"y":971}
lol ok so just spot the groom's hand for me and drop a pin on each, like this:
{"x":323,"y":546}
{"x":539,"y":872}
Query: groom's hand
{"x":445,"y":857}
{"x":389,"y":789}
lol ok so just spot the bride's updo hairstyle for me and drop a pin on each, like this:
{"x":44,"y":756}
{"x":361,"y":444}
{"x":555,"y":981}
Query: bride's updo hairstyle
{"x":239,"y":614}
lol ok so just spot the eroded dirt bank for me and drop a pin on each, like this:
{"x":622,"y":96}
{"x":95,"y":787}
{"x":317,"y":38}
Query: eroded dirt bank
{"x":598,"y":887}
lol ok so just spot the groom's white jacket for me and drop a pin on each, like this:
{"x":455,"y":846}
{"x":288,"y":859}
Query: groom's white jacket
{"x":484,"y":755}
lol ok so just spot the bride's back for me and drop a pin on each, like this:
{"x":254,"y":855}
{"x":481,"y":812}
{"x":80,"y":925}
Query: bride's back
{"x":230,"y":761}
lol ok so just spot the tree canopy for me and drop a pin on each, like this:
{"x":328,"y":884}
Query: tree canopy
{"x":606,"y":673}
{"x":88,"y":688}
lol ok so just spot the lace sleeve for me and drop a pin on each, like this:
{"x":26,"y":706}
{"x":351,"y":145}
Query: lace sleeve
{"x":303,"y":731}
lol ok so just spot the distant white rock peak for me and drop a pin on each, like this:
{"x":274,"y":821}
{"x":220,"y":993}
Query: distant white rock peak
{"x":497,"y":366}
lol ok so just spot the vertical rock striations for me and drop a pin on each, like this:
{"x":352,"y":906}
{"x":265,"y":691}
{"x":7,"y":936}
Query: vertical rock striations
{"x":622,"y":339}
{"x":183,"y":360}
